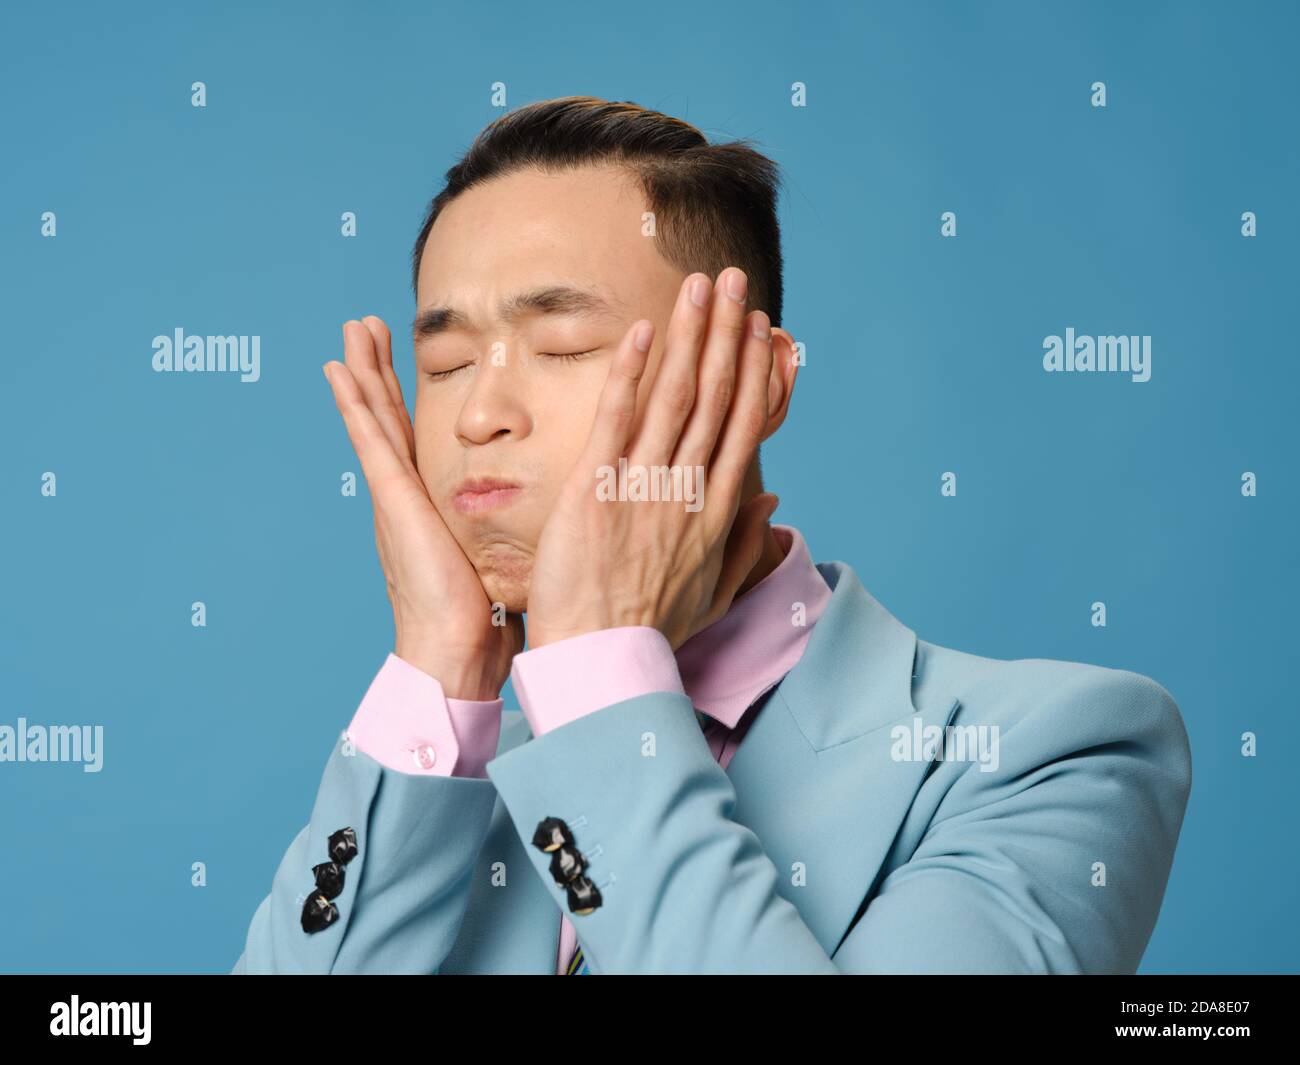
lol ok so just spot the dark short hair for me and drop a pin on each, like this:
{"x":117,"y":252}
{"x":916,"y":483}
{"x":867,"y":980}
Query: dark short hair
{"x":715,"y":205}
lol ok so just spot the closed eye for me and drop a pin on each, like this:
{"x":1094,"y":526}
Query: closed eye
{"x":566,"y":355}
{"x":438,"y":375}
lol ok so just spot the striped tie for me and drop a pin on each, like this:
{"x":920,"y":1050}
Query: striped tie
{"x":578,"y":966}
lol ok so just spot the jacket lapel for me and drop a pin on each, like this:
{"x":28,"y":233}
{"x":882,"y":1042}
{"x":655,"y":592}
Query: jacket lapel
{"x":816,"y":775}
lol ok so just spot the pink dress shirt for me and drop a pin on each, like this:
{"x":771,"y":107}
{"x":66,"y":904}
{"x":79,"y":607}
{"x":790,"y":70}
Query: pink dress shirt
{"x":407,"y":723}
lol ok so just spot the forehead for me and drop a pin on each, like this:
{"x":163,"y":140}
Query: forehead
{"x":581,"y":227}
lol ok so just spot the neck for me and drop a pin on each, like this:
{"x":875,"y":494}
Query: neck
{"x":768,"y":561}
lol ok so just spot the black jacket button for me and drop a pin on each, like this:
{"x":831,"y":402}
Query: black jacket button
{"x":584,"y":896}
{"x":551,"y":834}
{"x":329,"y":879}
{"x":343,"y":846}
{"x":318,"y":913}
{"x":566,"y":863}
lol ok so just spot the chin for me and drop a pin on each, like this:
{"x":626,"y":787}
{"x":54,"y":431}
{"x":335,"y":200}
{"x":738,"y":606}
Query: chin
{"x":508,"y":590}
{"x":504,"y":564}
{"x":506,"y":576}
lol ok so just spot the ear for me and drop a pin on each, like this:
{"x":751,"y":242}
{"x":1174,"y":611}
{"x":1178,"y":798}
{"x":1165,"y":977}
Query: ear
{"x":780,"y":385}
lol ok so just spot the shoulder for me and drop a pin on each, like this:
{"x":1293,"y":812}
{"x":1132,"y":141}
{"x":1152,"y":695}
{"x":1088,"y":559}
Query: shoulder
{"x":1050,"y":708}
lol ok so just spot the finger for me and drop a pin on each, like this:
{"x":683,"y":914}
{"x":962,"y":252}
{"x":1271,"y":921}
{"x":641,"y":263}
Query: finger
{"x":616,"y":408}
{"x":744,"y":549}
{"x":363,"y":362}
{"x":383,"y":339}
{"x":379,"y":462}
{"x":743,"y":429}
{"x":363,"y":345}
{"x":717,"y":378}
{"x":673,"y":394}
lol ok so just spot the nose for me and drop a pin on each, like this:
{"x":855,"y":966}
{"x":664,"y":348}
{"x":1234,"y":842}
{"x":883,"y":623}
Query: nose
{"x":495,"y":407}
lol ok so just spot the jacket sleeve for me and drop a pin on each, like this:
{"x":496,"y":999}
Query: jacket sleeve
{"x":1002,"y":881}
{"x":682,"y":887}
{"x":405,"y":889}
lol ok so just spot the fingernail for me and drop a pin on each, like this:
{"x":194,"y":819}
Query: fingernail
{"x":700,"y":291}
{"x":737,"y":284}
{"x":762,"y":325}
{"x":641,"y":338}
{"x":325,"y":369}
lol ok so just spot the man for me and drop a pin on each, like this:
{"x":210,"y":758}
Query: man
{"x":729,"y":759}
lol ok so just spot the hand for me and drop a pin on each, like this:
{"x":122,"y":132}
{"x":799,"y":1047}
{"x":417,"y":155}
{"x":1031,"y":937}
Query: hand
{"x":604,"y":563}
{"x":441,"y":613}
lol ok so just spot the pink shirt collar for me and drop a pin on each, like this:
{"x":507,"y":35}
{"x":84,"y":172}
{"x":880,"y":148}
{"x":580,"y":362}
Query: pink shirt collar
{"x":727,"y":666}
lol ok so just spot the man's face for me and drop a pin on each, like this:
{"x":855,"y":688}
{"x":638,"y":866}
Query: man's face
{"x":511,"y":411}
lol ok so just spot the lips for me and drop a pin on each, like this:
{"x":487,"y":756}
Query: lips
{"x":480,"y":494}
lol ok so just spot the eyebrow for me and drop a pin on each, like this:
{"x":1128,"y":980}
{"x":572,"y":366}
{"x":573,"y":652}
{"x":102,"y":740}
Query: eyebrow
{"x":551,"y":299}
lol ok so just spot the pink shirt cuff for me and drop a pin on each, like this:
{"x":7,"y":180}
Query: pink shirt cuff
{"x":406,"y":723}
{"x":562,"y":681}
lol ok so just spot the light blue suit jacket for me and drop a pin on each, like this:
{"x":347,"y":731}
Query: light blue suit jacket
{"x":826,"y":846}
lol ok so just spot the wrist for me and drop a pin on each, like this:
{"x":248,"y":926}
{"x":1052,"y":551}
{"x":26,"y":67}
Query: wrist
{"x":464,"y":675}
{"x":546,"y":631}
{"x":540,"y":636}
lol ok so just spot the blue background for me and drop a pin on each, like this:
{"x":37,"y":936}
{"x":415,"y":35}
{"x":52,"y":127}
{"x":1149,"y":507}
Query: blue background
{"x":924,"y":356}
